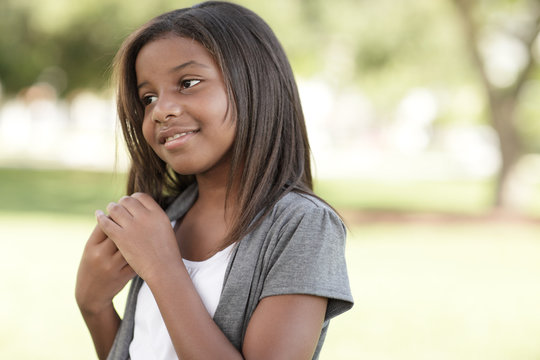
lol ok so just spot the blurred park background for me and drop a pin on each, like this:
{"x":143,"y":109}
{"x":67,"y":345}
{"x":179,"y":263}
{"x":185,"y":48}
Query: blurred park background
{"x":425,"y":131}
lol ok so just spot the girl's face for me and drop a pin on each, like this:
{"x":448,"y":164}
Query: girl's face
{"x":187,"y":119}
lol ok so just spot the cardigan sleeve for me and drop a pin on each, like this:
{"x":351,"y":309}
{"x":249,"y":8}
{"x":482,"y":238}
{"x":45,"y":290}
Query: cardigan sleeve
{"x":309,"y":258}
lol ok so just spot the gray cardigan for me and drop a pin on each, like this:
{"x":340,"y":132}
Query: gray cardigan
{"x":298,"y":248}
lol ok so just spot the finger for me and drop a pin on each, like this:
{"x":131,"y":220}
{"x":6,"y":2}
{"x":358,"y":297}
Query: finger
{"x":118,"y":213}
{"x":133,"y":205}
{"x":119,"y":263}
{"x":147,"y":201}
{"x":127,"y":273}
{"x":97,"y":235}
{"x":108,"y":226}
{"x":109,"y":247}
{"x":119,"y":259}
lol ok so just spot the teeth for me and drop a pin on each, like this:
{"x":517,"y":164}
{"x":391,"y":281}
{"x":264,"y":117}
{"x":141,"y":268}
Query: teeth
{"x":176,"y":136}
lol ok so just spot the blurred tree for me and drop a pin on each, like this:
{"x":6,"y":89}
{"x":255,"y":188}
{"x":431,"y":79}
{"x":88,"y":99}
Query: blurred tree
{"x":382,"y":48}
{"x":72,"y":43}
{"x":68,"y":43}
{"x":502,"y":37}
{"x":492,"y":51}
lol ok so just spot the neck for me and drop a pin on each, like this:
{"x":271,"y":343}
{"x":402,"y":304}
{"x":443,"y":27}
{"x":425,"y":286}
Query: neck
{"x":213,"y":192}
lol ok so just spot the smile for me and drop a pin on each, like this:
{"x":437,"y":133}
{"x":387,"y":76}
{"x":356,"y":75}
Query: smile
{"x":174,"y":139}
{"x":177,"y":136}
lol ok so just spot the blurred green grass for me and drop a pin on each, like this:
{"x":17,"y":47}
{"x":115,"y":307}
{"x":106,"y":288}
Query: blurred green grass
{"x":81,"y":192}
{"x":460,"y":292}
{"x":58,"y":191}
{"x":422,"y":290}
{"x":462,"y":197}
{"x":445,"y":291}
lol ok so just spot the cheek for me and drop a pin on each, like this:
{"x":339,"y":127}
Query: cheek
{"x":231,"y":130}
{"x":148,"y":132}
{"x":216,"y":104}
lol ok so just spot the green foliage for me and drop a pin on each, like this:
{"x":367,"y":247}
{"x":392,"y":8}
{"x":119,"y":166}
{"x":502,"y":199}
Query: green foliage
{"x":386,"y":39}
{"x":80,"y":38}
{"x":528,"y":114}
{"x":383,"y":48}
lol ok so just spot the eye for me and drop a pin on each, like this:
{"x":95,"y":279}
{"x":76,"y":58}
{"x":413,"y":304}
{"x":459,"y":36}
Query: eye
{"x":147,"y":100}
{"x":186,"y":84}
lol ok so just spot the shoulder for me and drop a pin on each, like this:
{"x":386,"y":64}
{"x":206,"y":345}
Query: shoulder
{"x":303,"y":251}
{"x":295,"y":207}
{"x":298,"y":220}
{"x":301,"y":200}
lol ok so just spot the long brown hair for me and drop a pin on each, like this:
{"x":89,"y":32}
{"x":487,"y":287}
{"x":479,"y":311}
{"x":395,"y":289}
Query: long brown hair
{"x":271,"y":154}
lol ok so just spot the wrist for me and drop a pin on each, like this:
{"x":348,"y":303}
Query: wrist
{"x":166,"y":267}
{"x":166,"y":274}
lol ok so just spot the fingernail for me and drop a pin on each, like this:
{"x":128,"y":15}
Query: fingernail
{"x":99,"y":213}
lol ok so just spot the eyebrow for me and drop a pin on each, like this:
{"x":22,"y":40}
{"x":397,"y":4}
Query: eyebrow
{"x":177,"y":68}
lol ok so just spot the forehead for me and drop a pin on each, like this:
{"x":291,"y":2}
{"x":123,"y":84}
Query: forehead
{"x":171,"y":51}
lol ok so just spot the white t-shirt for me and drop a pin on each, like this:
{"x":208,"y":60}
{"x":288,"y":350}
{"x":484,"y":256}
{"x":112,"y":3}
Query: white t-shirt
{"x":151,"y":339}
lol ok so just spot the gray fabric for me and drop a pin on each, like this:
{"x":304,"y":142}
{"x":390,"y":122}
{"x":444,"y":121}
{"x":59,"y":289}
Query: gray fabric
{"x":299,"y":248}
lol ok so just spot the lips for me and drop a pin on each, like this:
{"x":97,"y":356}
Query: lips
{"x":177,"y":136}
{"x":174,"y":134}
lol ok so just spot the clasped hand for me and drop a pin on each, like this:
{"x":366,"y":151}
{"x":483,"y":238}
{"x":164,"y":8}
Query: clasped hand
{"x":136,"y":237}
{"x":142,"y":232}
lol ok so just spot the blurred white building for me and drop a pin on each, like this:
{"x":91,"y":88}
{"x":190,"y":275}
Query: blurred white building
{"x":347,"y":138}
{"x":39,"y":130}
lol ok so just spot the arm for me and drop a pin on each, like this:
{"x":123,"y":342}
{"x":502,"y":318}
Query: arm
{"x":281,"y":327}
{"x":103,"y":328}
{"x":102,"y":273}
{"x":285,"y":327}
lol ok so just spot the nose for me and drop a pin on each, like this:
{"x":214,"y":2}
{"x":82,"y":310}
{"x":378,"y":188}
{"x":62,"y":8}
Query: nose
{"x":166,"y":108}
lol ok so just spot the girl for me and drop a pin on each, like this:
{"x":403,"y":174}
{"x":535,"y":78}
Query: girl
{"x":253,"y":265}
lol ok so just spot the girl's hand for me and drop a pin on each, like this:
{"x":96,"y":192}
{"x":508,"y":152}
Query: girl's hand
{"x":142,"y":232}
{"x":103,"y":272}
